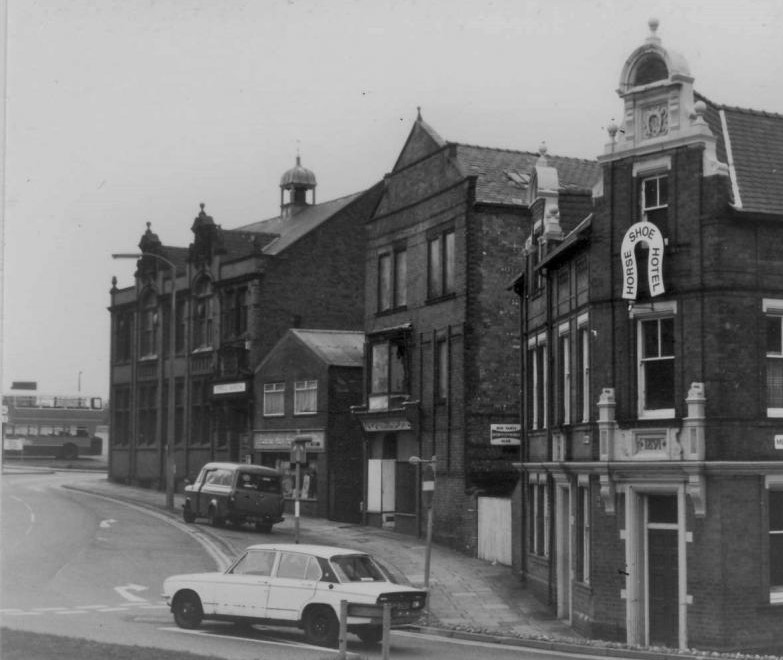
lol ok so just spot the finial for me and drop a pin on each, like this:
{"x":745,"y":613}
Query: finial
{"x":699,"y":108}
{"x":418,"y":113}
{"x":612,"y":129}
{"x":202,"y":207}
{"x":149,"y":226}
{"x":653,"y":24}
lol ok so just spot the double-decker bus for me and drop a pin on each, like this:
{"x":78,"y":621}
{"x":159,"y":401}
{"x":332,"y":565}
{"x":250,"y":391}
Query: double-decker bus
{"x":46,"y":425}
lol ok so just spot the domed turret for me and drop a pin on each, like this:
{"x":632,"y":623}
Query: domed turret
{"x":298,"y":180}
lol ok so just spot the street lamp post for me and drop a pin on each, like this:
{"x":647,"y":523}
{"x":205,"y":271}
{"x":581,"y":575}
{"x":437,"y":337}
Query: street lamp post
{"x":170,"y":465}
{"x":427,"y":486}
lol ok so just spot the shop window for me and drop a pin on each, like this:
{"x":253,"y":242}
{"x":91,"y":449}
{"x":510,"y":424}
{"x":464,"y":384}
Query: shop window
{"x":583,"y":534}
{"x":306,"y":397}
{"x":539,"y":518}
{"x":776,"y":545}
{"x":440,"y":265}
{"x":656,"y":367}
{"x":148,"y":413}
{"x":274,"y":399}
{"x":123,"y":333}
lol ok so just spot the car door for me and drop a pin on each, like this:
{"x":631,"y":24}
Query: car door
{"x":293,"y":586}
{"x":243,"y":590}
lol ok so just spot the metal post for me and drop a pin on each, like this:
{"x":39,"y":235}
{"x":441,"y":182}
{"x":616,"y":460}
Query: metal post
{"x":343,"y":639}
{"x":385,"y":641}
{"x":296,"y":502}
{"x":171,"y":466}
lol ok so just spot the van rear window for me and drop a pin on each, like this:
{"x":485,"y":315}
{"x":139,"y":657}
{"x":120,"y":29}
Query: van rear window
{"x":260,"y":482}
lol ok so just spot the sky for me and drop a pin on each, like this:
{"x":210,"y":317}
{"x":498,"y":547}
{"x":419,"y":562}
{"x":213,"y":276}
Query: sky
{"x":123,"y":112}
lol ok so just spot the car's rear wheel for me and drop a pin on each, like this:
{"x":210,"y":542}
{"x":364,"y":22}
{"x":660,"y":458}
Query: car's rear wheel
{"x":187,"y":610}
{"x":187,"y":514}
{"x":321,"y":626}
{"x":214,"y":519}
{"x":370,"y":634}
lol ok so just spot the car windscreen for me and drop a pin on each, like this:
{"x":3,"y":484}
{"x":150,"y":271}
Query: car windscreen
{"x":357,"y":568}
{"x":264,"y":483}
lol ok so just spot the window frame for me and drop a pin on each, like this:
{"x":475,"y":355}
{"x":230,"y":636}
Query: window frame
{"x":442,"y":371}
{"x":583,"y":527}
{"x":564,"y":372}
{"x":583,"y":368}
{"x":663,"y":311}
{"x":441,"y":264}
{"x":271,"y":389}
{"x":539,"y":382}
{"x":772,"y":308}
{"x":305,"y":390}
{"x":774,"y":484}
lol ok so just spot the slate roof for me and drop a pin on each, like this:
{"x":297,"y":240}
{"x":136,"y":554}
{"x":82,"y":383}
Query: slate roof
{"x":503,"y":175}
{"x":339,"y":348}
{"x":756,"y":140}
{"x":287,"y":230}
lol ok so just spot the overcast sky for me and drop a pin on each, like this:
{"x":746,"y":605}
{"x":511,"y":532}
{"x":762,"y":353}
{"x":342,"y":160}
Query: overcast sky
{"x":121,"y":112}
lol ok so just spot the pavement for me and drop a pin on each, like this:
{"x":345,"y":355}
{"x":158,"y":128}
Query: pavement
{"x":469,"y":598}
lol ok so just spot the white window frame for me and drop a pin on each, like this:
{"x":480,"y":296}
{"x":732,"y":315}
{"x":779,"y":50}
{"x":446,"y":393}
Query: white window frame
{"x":276,"y":390}
{"x":657,"y":205}
{"x":772,"y":307}
{"x":583,"y":332}
{"x":303,"y":391}
{"x":650,"y":312}
{"x":564,"y":341}
{"x":539,"y":419}
{"x":583,"y":486}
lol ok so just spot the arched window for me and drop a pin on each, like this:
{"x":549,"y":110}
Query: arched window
{"x":149,"y":323}
{"x":651,"y":69}
{"x":202,"y":314}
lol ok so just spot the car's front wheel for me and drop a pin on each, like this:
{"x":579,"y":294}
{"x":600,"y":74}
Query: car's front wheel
{"x":188,"y":515}
{"x":321,"y":626}
{"x":187,"y":610}
{"x":370,"y":634}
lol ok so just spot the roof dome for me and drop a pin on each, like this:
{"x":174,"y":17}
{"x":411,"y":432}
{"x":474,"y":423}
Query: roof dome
{"x":298,"y":177}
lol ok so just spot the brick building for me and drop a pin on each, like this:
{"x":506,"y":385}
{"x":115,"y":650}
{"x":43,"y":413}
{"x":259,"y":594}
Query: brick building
{"x":442,"y":374}
{"x":237,"y":292}
{"x":653,"y":402}
{"x":309,"y":381}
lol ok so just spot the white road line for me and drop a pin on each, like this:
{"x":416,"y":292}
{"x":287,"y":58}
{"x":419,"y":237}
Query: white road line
{"x":201,"y":633}
{"x":49,"y":609}
{"x":23,"y":613}
{"x":114,"y":609}
{"x":71,"y":612}
{"x":92,"y":607}
{"x":30,"y":512}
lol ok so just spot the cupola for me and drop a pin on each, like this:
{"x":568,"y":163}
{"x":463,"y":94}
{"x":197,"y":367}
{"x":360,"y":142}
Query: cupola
{"x":659,"y":108}
{"x":298,"y":180}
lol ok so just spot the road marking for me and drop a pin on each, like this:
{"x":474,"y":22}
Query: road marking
{"x":114,"y":609}
{"x":71,"y":612}
{"x":124,"y":592}
{"x":92,"y":607}
{"x":105,"y":524}
{"x":30,"y":512}
{"x":49,"y":609}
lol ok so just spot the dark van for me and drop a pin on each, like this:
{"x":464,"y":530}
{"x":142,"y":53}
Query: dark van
{"x":236,"y":493}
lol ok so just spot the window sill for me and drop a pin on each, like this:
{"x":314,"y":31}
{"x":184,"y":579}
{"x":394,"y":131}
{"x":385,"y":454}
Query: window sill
{"x":148,"y":358}
{"x":442,"y":298}
{"x":203,"y":349}
{"x":305,"y":414}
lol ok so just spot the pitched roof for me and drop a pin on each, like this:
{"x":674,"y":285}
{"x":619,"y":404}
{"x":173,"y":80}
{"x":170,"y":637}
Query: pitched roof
{"x":503,"y":175}
{"x":756,"y":142}
{"x":339,"y":348}
{"x":288,"y":230}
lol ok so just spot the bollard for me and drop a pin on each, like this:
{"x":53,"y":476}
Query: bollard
{"x":343,"y":646}
{"x":386,"y":631}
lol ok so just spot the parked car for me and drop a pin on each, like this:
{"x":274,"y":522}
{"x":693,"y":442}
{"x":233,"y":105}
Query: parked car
{"x":296,"y":585}
{"x":237,"y":493}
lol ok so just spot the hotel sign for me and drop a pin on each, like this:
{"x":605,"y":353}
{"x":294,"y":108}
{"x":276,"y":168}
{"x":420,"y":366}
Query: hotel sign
{"x":505,"y":434}
{"x":648,"y":234}
{"x":230,"y":388}
{"x":383,"y":425}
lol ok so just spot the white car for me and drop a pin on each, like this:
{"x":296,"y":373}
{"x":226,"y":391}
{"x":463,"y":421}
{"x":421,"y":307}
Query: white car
{"x":296,"y":585}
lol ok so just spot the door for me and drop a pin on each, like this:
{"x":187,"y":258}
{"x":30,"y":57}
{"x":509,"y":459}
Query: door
{"x":662,"y":576}
{"x":293,"y":586}
{"x":244,"y":589}
{"x":494,"y":529}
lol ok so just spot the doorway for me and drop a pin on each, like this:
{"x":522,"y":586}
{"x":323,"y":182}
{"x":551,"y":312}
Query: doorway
{"x":662,"y":570}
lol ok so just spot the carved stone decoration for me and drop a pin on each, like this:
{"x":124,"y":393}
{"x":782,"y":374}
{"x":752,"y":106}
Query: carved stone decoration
{"x":697,"y":491}
{"x":607,"y":493}
{"x":655,"y":121}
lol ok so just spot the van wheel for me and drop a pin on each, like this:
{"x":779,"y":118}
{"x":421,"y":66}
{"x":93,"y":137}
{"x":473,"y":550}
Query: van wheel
{"x":264,"y":528}
{"x":321,"y":626}
{"x":187,"y":514}
{"x":187,"y":610}
{"x":70,"y":452}
{"x":214,"y":519}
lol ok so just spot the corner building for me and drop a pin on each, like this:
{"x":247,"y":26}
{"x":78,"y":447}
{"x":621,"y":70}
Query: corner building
{"x":653,"y":397}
